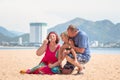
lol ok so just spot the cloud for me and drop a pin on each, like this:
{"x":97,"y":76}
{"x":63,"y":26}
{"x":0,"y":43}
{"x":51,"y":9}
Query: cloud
{"x":17,"y":14}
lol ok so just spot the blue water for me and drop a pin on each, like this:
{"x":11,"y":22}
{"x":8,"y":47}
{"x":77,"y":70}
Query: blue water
{"x":17,"y":48}
{"x":105,"y":50}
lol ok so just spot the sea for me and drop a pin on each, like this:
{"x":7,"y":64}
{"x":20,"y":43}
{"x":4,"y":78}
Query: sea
{"x":105,"y":50}
{"x":92,"y":50}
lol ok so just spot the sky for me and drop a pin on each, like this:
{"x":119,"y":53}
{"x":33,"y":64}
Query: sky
{"x":16,"y":15}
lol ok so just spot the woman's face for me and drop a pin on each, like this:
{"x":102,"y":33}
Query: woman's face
{"x":52,"y":37}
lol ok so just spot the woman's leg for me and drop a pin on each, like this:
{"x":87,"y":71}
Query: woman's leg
{"x":34,"y":70}
{"x":36,"y":67}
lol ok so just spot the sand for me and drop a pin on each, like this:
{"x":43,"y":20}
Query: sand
{"x":100,"y":67}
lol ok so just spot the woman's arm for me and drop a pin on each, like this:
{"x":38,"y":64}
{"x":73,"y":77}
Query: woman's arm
{"x":42,"y":49}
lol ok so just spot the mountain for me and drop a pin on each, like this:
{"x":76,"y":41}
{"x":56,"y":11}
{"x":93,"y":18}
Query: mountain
{"x":25,"y":38}
{"x":4,"y":38}
{"x":12,"y":36}
{"x":102,"y":31}
{"x":8,"y":33}
{"x":17,"y":33}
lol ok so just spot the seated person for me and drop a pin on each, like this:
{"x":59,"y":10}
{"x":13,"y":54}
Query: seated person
{"x":49,"y":63}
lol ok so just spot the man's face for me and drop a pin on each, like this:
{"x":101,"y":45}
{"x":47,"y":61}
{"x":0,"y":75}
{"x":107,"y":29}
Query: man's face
{"x":70,"y":34}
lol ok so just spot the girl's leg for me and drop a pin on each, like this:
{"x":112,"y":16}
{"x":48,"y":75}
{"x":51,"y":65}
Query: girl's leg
{"x":75,"y":63}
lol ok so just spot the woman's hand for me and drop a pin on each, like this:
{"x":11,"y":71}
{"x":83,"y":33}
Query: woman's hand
{"x":50,"y":65}
{"x":45,"y":42}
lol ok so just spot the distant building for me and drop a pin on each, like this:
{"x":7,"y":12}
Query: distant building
{"x":20,"y":41}
{"x":38,"y":32}
{"x":94,"y":44}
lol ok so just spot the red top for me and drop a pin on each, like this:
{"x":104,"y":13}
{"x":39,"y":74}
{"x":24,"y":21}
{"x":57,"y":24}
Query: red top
{"x":50,"y":57}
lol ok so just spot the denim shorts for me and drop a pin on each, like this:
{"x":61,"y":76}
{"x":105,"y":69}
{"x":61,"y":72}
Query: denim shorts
{"x":82,"y":59}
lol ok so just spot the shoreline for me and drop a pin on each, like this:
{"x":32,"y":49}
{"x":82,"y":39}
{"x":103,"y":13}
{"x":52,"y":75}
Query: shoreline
{"x":93,"y":50}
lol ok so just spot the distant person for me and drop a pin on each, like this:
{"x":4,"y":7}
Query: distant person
{"x":81,"y":47}
{"x":67,"y":49}
{"x":49,"y":63}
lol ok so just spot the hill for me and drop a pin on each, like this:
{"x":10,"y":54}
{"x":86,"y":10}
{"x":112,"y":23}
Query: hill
{"x":102,"y":31}
{"x":12,"y":36}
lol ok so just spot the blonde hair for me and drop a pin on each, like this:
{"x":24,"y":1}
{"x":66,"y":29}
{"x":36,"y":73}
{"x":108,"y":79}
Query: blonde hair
{"x":64,"y":33}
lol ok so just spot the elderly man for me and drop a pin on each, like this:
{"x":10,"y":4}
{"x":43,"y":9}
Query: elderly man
{"x":81,"y":46}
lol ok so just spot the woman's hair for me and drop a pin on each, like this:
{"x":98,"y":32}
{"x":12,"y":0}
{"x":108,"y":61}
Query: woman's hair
{"x":57,"y":38}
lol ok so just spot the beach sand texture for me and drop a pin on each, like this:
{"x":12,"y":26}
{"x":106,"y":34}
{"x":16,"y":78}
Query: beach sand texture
{"x":100,"y":67}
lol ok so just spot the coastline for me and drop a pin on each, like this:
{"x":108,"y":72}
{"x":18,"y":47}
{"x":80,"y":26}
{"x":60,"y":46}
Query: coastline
{"x":92,"y":50}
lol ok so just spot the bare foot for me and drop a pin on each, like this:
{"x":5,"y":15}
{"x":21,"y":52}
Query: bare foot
{"x":23,"y":71}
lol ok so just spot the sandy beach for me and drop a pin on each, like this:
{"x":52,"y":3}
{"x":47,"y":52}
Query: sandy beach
{"x":100,"y":67}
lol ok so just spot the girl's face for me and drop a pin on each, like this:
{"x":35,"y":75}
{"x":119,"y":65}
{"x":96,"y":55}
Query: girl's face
{"x":64,"y":38}
{"x":52,"y":37}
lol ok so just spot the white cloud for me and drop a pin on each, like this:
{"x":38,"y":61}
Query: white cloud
{"x":17,"y":14}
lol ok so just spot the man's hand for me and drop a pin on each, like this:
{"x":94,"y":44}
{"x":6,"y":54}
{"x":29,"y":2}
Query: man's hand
{"x":65,"y":46}
{"x":71,"y":42}
{"x":66,"y":51}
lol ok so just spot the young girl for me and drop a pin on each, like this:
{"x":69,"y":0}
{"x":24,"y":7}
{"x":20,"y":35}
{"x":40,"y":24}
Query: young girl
{"x":49,"y":64}
{"x":66,"y":50}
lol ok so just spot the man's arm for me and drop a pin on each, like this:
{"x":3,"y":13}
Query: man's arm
{"x":79,"y":50}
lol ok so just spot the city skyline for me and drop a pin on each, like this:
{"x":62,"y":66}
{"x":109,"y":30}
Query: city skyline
{"x":17,"y":14}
